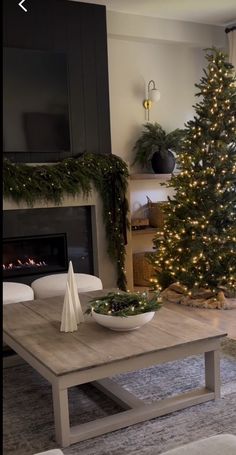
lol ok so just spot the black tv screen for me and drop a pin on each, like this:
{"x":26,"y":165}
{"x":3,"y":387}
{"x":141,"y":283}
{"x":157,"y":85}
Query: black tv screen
{"x":35,"y":101}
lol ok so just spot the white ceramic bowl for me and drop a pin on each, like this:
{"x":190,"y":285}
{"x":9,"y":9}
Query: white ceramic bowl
{"x":122,"y":324}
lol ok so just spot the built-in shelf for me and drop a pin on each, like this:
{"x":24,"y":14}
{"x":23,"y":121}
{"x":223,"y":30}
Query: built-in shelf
{"x":149,"y":230}
{"x":142,"y":185}
{"x":150,"y":176}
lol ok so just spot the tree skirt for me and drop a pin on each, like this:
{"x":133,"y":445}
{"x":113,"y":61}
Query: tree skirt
{"x":204,"y":298}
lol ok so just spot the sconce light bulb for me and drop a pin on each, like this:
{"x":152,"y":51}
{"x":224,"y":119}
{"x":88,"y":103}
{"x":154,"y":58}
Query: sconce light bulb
{"x":154,"y":95}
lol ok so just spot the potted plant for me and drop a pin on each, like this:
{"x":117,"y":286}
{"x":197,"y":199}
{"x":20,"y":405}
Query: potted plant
{"x":123,"y":311}
{"x":156,"y":145}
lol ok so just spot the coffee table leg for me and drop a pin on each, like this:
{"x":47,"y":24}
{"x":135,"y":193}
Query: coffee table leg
{"x":61,"y":415}
{"x":212,"y":371}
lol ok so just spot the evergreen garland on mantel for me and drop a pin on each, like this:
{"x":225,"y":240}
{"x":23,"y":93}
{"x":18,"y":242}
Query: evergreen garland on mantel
{"x":74,"y":176}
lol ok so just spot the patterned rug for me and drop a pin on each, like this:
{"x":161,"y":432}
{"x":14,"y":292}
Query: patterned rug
{"x":28,"y":416}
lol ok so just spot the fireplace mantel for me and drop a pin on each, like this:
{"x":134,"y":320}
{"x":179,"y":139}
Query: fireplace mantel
{"x":103,"y":266}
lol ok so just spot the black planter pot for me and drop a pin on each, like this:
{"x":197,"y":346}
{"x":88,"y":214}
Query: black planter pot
{"x":163,"y":165}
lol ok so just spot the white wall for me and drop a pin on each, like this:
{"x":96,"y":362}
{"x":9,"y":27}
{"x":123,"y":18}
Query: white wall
{"x":140,"y":49}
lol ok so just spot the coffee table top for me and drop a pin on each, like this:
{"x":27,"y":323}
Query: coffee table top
{"x":35,"y":326}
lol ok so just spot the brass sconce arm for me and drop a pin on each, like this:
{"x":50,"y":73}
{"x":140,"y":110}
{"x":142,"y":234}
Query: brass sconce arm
{"x":153,"y":96}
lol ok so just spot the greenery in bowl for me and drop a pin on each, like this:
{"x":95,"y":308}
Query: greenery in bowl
{"x":155,"y":139}
{"x":125,"y":303}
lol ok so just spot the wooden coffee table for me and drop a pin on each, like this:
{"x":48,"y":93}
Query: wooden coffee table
{"x":93,"y":354}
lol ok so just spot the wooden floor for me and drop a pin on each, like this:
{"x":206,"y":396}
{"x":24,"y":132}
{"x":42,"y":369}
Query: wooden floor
{"x":221,"y":319}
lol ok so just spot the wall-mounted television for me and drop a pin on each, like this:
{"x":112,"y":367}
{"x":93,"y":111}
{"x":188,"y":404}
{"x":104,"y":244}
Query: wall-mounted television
{"x":35,"y":102}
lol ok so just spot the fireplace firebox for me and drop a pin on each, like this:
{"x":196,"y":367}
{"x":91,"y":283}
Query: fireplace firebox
{"x":41,"y":241}
{"x":34,"y":255}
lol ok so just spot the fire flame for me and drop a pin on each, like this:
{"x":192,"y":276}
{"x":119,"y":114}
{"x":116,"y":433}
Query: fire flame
{"x":18,"y":264}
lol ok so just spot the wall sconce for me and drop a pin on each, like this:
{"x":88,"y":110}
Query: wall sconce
{"x":153,"y":96}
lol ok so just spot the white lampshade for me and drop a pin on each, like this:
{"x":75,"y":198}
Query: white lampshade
{"x":154,"y":95}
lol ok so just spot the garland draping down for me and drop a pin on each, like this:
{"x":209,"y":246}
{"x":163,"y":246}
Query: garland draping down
{"x":73,"y":176}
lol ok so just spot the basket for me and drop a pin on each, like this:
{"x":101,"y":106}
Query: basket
{"x":139,"y":223}
{"x":156,"y":215}
{"x":143,"y":270}
{"x":140,"y":219}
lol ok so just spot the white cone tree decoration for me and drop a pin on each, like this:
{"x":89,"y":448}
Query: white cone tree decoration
{"x":68,"y":318}
{"x":74,"y":294}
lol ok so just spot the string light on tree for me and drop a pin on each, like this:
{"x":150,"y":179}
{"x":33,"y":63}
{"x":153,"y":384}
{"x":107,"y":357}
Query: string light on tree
{"x":197,"y":246}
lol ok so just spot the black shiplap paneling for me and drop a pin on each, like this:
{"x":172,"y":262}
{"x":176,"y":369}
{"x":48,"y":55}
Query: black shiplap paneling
{"x":89,"y":69}
{"x":78,"y":29}
{"x":77,"y":93}
{"x":31,"y":30}
{"x":103,"y":109}
{"x":59,"y":21}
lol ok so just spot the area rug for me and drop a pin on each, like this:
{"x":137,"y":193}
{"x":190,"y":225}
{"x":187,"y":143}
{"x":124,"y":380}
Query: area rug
{"x":28,"y":416}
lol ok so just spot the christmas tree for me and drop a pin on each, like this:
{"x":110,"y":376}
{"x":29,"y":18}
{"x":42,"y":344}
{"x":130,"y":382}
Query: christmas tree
{"x":196,"y":247}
